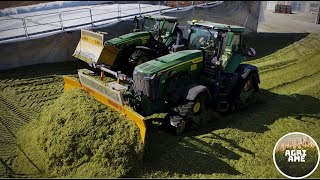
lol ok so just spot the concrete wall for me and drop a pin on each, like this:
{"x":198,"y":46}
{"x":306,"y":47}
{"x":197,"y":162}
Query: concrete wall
{"x":55,"y":48}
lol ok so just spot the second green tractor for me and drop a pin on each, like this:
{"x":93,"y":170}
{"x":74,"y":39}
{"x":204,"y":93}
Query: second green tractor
{"x":152,"y":37}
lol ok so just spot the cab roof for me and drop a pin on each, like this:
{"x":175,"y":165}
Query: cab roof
{"x":213,"y":25}
{"x":162,"y":17}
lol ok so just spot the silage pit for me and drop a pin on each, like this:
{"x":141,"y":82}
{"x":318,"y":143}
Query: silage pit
{"x":78,"y":137}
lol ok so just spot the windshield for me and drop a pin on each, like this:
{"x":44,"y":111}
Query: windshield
{"x":201,"y":37}
{"x":167,"y":27}
{"x":151,"y":24}
{"x":154,"y":25}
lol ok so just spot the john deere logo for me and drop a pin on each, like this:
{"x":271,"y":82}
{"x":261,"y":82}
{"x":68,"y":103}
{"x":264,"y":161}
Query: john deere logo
{"x":296,"y":155}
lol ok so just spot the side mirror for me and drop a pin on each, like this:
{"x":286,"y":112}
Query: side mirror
{"x":251,"y":52}
{"x":137,"y":27}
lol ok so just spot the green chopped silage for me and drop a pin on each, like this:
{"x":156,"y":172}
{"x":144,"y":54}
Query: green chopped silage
{"x":78,"y":137}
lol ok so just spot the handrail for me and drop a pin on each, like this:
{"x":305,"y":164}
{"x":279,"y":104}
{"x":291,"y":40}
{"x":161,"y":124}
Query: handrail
{"x":62,"y":26}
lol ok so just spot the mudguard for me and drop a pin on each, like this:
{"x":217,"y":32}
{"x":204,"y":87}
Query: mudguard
{"x":195,"y":89}
{"x":245,"y":69}
{"x":143,"y":48}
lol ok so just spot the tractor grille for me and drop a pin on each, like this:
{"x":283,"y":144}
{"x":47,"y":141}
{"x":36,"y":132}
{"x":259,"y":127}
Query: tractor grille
{"x":145,"y":85}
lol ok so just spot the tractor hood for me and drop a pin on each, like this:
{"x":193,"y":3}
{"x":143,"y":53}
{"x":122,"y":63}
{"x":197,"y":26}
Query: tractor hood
{"x":147,"y":76}
{"x":128,"y":39}
{"x":170,"y":61}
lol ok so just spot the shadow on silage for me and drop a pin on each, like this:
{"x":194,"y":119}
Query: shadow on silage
{"x":190,"y":155}
{"x":255,"y":118}
{"x":172,"y":154}
{"x":276,"y":106}
{"x":268,"y":43}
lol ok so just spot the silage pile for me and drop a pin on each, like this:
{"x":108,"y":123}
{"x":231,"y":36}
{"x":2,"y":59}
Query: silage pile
{"x":78,"y":137}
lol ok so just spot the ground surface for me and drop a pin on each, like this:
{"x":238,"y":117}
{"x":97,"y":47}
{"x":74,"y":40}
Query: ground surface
{"x":289,"y":23}
{"x":237,"y":146}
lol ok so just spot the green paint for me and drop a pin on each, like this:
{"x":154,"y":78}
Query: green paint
{"x":166,"y":62}
{"x":129,"y":39}
{"x":230,"y":38}
{"x":234,"y":62}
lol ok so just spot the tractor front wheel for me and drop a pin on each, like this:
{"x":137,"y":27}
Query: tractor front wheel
{"x":189,"y":115}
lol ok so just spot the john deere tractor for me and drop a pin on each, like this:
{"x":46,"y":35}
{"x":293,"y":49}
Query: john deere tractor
{"x":183,"y":84}
{"x":152,"y":38}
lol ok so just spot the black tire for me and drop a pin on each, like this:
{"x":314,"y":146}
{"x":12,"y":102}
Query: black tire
{"x":249,"y":90}
{"x":138,"y":57}
{"x":199,"y":114}
{"x":189,"y":115}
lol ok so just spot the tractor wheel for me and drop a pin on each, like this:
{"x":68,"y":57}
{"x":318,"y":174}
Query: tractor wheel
{"x":138,"y":57}
{"x":199,"y":111}
{"x":249,"y":90}
{"x":189,"y":115}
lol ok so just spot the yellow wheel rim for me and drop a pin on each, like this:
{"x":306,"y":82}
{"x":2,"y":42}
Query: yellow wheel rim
{"x":196,"y":107}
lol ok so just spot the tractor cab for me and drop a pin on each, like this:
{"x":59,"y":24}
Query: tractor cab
{"x":220,"y":43}
{"x":161,"y":27}
{"x":159,"y":24}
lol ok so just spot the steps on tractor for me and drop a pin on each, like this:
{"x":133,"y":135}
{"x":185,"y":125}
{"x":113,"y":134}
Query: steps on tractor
{"x":208,"y":80}
{"x":223,"y":106}
{"x":209,"y":64}
{"x":209,"y":72}
{"x":222,"y":95}
{"x":222,"y":98}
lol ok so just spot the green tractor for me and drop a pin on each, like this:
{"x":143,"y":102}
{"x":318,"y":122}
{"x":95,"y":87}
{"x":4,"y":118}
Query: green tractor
{"x":187,"y":82}
{"x":183,"y":84}
{"x":153,"y":39}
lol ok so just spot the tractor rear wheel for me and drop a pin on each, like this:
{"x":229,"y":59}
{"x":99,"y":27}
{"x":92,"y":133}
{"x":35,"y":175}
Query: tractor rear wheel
{"x":138,"y":57}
